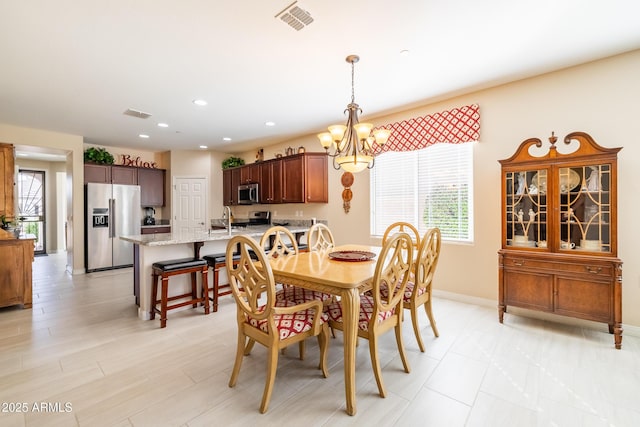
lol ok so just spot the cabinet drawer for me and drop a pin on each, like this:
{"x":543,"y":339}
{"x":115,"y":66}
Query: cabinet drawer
{"x":154,"y":230}
{"x":594,"y":269}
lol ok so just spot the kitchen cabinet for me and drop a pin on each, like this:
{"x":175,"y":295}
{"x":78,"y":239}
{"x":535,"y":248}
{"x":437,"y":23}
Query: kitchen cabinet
{"x":152,"y":186}
{"x":299,"y":178}
{"x":305,"y":178}
{"x":97,"y":173}
{"x":559,"y":232}
{"x":227,"y":188}
{"x":15,"y":270}
{"x":7,"y":183}
{"x":250,"y":174}
{"x":126,"y":175}
{"x":108,"y":174}
{"x":271,"y":182}
{"x":230,"y":182}
{"x":316,"y":178}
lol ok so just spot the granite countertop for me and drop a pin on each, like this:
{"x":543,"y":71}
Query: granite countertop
{"x":177,"y":238}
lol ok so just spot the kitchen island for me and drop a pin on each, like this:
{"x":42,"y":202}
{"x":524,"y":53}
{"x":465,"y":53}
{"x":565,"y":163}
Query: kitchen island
{"x":150,"y":248}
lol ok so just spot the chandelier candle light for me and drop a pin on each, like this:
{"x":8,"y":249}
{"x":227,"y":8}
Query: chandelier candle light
{"x":352,"y":144}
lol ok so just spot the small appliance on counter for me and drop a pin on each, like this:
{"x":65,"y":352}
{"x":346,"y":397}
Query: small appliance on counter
{"x":149,"y":216}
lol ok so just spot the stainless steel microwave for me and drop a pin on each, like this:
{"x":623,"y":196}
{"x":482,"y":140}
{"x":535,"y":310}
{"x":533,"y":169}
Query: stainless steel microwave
{"x":248,"y":194}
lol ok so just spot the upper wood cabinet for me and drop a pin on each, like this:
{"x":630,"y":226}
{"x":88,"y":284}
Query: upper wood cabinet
{"x":300,"y":178}
{"x":109,"y":174}
{"x":250,"y":173}
{"x":97,"y":173}
{"x":126,"y":175}
{"x":152,"y":186}
{"x":271,"y":182}
{"x":305,"y":178}
{"x":559,"y":231}
{"x":293,"y":179}
{"x":151,"y":181}
{"x":316,"y":178}
{"x":7,"y":184}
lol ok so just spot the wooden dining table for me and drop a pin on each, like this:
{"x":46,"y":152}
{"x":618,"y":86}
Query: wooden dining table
{"x":316,"y":270}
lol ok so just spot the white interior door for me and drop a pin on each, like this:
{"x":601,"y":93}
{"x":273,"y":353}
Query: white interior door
{"x":189,"y":205}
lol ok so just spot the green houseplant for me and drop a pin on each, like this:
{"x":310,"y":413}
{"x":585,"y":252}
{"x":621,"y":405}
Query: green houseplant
{"x":232,"y":162}
{"x":98,"y":155}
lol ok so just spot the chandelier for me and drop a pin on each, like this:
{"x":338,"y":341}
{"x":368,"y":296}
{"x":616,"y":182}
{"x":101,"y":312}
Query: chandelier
{"x":352,"y":144}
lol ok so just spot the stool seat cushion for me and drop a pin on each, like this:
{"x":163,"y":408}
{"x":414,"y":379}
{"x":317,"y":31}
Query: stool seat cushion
{"x":219,"y":258}
{"x":179,"y":264}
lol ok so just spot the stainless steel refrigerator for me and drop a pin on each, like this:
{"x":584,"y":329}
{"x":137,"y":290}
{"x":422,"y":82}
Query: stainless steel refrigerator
{"x":112,"y":210}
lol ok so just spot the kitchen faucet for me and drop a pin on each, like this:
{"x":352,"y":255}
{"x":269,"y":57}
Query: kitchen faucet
{"x":226,"y":214}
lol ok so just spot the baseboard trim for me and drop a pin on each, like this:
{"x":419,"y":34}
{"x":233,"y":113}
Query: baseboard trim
{"x":631,"y":330}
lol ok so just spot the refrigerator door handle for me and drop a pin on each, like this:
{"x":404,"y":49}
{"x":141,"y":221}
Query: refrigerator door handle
{"x":112,"y":217}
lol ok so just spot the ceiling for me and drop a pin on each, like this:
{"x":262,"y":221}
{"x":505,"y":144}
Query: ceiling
{"x":76,"y":66}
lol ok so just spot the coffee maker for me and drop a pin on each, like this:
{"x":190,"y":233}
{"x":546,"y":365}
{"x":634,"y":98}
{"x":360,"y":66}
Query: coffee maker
{"x":148,"y":218}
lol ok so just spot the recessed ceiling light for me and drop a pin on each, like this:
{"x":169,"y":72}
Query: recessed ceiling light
{"x":226,"y":138}
{"x":143,"y":135}
{"x":200,"y":102}
{"x":269,"y":124}
{"x":404,"y":52}
{"x":163,"y":125}
{"x":203,"y":147}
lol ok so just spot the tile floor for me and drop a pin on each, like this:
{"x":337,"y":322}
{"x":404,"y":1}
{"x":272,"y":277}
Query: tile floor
{"x":82,"y":357}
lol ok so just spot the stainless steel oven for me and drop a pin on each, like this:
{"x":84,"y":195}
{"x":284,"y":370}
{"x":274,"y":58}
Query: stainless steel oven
{"x":248,"y":194}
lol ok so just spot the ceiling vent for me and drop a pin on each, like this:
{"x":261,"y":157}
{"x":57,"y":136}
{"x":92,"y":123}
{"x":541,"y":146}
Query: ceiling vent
{"x":136,"y":113}
{"x":295,"y":17}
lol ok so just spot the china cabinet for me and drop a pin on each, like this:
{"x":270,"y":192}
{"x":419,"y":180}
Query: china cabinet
{"x":559,"y":231}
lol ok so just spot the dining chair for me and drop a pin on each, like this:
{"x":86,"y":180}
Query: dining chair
{"x":278,"y":241}
{"x":418,"y":290}
{"x":281,"y":242}
{"x":275,"y":323}
{"x":320,"y":238}
{"x":403,"y":227}
{"x":380,"y":313}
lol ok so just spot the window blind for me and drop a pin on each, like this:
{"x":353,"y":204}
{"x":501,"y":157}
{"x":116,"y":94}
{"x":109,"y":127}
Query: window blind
{"x":428,"y":188}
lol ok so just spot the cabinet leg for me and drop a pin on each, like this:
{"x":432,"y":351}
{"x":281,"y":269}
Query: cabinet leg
{"x":501,"y":310}
{"x":617,"y":331}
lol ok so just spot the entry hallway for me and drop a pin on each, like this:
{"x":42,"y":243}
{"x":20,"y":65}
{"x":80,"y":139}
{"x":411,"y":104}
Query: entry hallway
{"x":83,"y":352}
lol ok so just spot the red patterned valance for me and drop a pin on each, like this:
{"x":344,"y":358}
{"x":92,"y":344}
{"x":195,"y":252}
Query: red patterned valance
{"x":456,"y":126}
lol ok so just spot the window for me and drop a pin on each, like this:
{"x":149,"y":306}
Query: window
{"x":428,"y":188}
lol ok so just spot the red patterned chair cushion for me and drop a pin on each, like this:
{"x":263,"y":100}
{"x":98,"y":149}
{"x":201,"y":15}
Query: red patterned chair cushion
{"x":299,"y":295}
{"x":288,"y":324}
{"x":384,"y":291}
{"x":366,"y":311}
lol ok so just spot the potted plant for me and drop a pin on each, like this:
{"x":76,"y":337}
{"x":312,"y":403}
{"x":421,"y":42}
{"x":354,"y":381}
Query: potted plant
{"x":232,"y":162}
{"x":98,"y":155}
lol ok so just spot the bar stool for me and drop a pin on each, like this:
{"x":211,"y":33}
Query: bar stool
{"x":218,"y":262}
{"x":166,"y":269}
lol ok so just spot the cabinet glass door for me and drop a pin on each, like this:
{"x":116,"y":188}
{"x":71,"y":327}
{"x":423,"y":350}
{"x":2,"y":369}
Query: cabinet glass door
{"x":526,"y":208}
{"x":585,"y":208}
